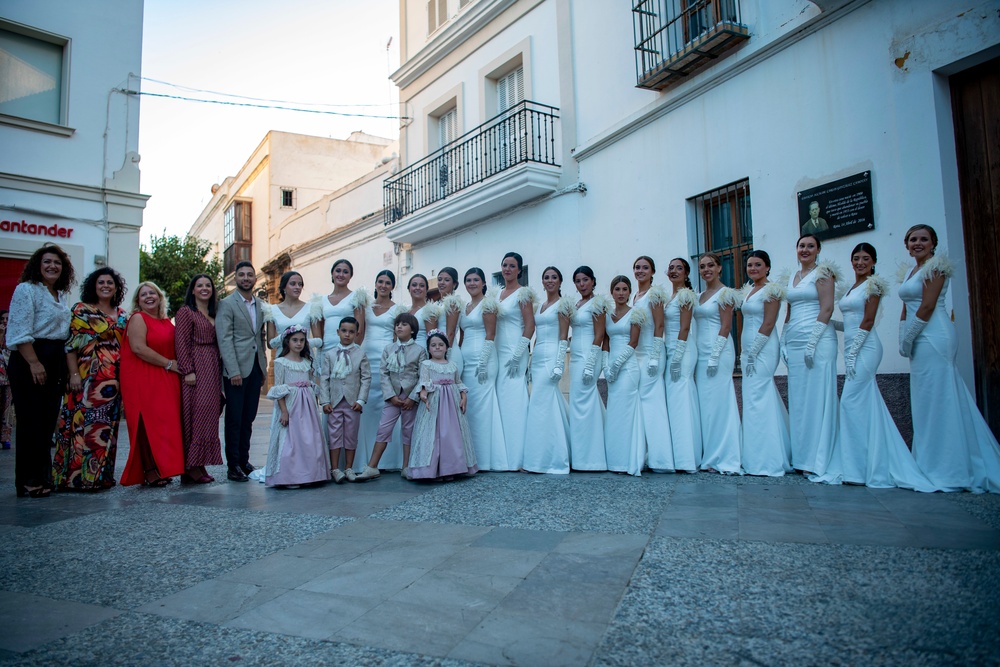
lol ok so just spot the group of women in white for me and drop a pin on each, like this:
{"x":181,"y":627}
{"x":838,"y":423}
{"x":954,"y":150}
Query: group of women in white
{"x":668,"y":357}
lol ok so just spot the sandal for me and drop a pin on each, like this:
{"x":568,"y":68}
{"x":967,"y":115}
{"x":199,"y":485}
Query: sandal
{"x":33,"y":491}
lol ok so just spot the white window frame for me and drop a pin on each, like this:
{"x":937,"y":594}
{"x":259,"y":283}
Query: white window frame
{"x":437,"y":15}
{"x":61,"y":126}
{"x":281,"y":195}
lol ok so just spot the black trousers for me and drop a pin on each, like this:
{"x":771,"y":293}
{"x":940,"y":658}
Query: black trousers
{"x":37,"y":408}
{"x":241,"y":410}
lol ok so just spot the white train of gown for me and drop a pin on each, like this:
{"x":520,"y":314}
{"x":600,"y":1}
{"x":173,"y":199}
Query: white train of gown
{"x":952,"y":443}
{"x":482,"y":410}
{"x":586,"y":409}
{"x":546,"y":442}
{"x":721,"y":431}
{"x":682,"y":394}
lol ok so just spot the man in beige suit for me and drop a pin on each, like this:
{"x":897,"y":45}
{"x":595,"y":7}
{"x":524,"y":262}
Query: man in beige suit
{"x":239,"y":325}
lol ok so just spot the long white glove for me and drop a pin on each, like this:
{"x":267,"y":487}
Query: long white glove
{"x":713,"y":359}
{"x":604,"y":363}
{"x":677,"y":359}
{"x":616,"y":366}
{"x":851,"y":358}
{"x":814,"y":336}
{"x":906,"y":339}
{"x":482,"y":368}
{"x":653,"y":366}
{"x":588,"y":367}
{"x":759,"y":341}
{"x":513,"y":364}
{"x":557,"y":370}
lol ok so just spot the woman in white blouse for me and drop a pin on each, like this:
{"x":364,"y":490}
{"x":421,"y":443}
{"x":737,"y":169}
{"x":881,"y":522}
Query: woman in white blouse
{"x":36,"y":334}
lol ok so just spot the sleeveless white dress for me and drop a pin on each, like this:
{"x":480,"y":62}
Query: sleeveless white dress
{"x":682,"y":394}
{"x":721,"y":431}
{"x":813,"y":407}
{"x":311,"y":311}
{"x":652,"y":391}
{"x":512,"y":393}
{"x":625,"y":441}
{"x":379,"y":332}
{"x":869,"y":448}
{"x":952,"y":443}
{"x":482,"y":410}
{"x":586,"y":409}
{"x":767,"y":449}
{"x":546,"y":446}
{"x":333,"y":314}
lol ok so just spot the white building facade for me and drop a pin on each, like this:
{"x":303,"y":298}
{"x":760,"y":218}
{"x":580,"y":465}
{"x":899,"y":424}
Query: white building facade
{"x":591,"y":133}
{"x":69,"y":128}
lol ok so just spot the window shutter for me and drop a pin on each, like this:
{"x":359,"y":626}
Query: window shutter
{"x":510,"y":90}
{"x":448,"y":127}
{"x":431,"y":16}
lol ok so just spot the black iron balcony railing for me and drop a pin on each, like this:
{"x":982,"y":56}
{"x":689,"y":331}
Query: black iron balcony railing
{"x":523,"y":133}
{"x":674,"y":38}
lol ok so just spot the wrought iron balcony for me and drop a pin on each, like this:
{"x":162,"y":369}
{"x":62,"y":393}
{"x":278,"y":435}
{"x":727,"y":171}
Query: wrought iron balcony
{"x":525,"y":133}
{"x":675,"y":38}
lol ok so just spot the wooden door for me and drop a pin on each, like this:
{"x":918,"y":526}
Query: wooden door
{"x":975,"y":99}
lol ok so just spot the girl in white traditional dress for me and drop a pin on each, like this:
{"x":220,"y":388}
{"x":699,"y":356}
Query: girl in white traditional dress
{"x":425,"y":311}
{"x":515,"y":327}
{"x":380,"y":318}
{"x":649,"y":354}
{"x":767,"y":449}
{"x":721,"y":431}
{"x":547,"y":449}
{"x":447,"y":311}
{"x":342,"y":302}
{"x":478,"y":332}
{"x":297,"y":453}
{"x":586,"y":409}
{"x":952,"y":443}
{"x":625,"y":441}
{"x":869,"y":449}
{"x":809,"y":349}
{"x":442,"y":443}
{"x":682,"y":358}
{"x":292,"y":310}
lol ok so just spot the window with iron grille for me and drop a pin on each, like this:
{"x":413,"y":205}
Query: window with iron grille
{"x":287,"y":197}
{"x":237,"y":236}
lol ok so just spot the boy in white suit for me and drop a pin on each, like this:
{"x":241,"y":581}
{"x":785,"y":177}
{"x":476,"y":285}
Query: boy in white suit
{"x":345,"y":380}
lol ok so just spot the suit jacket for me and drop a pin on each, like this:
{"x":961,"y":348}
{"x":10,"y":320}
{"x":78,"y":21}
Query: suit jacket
{"x":354,"y":388}
{"x":406,"y":379}
{"x":239,"y":342}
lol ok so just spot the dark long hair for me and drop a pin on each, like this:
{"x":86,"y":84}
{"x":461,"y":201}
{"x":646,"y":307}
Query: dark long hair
{"x":479,"y":272}
{"x":558,"y":273}
{"x":283,"y":283}
{"x":687,"y":269}
{"x":928,"y":228}
{"x":760,"y":254}
{"x":392,"y":278}
{"x":819,"y":244}
{"x":518,"y":259}
{"x":306,"y":352}
{"x":32,"y":272}
{"x":868,"y":248}
{"x":191,"y":302}
{"x":652,"y":264}
{"x":88,"y":291}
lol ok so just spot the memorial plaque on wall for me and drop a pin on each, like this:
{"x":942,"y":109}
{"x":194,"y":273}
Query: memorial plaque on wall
{"x":838,"y":208}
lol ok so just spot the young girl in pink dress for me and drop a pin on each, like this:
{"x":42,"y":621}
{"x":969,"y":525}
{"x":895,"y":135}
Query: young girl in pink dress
{"x":442,"y":446}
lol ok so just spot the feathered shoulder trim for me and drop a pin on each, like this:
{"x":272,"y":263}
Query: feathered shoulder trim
{"x":304,"y":365}
{"x":600,"y":305}
{"x":267,"y":310}
{"x":525,"y":295}
{"x":774,"y":292}
{"x":431,"y":311}
{"x":903,"y":272}
{"x":828,"y":270}
{"x":876,"y":286}
{"x":686,"y":298}
{"x":316,"y":308}
{"x":360,"y":299}
{"x":398,"y":310}
{"x":490,"y":304}
{"x":452,"y":303}
{"x":938,"y":265}
{"x":745,"y":292}
{"x":566,"y":307}
{"x":637,"y":316}
{"x":657,"y":295}
{"x":729,"y":297}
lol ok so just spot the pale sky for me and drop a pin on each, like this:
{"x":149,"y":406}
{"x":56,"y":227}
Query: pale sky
{"x":304,"y":51}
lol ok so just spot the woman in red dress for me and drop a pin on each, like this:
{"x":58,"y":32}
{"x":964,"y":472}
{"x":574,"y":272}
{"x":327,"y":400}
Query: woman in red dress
{"x":201,"y":369}
{"x":151,"y":389}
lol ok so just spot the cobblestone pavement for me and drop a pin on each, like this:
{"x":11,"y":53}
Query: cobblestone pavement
{"x":500,"y":569}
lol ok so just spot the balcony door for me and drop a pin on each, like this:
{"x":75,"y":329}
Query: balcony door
{"x":511,"y":130}
{"x":449,"y":168}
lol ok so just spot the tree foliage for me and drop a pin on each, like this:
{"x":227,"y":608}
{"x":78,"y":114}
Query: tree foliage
{"x":172,"y":261}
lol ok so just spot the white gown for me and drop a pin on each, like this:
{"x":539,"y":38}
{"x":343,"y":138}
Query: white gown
{"x":586,"y":409}
{"x":869,"y":448}
{"x":379,"y":332}
{"x":451,"y":303}
{"x":721,"y":431}
{"x":767,"y":449}
{"x":625,"y":441}
{"x":652,"y":391}
{"x":546,"y":445}
{"x":813,"y":407}
{"x":428,"y":312}
{"x":682,"y":394}
{"x":512,"y":393}
{"x":311,"y":311}
{"x":952,"y":443}
{"x":333,"y":314}
{"x":482,"y":410}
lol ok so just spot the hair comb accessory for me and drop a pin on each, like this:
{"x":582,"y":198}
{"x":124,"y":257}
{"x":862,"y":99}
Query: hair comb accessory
{"x":294,"y":329}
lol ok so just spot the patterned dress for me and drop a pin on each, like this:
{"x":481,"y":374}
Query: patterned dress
{"x":6,"y":411}
{"x":87,"y":435}
{"x":201,"y":405}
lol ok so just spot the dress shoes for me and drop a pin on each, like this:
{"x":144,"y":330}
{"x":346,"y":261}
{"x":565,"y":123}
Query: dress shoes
{"x":237,"y":475}
{"x":368,"y":473}
{"x":338,"y":476}
{"x":247,"y":469}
